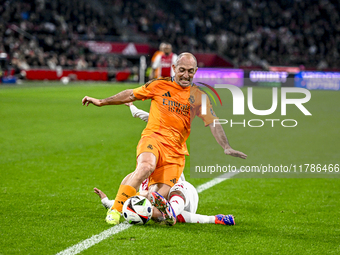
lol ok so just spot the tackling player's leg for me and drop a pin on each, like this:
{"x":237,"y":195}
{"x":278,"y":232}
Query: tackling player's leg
{"x":184,"y":191}
{"x":156,"y":214}
{"x":146,"y":164}
{"x":159,"y":202}
{"x":188,"y":217}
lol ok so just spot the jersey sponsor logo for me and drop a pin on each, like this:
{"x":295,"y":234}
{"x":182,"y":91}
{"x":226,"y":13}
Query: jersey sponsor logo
{"x":173,"y":181}
{"x":150,"y":147}
{"x":177,"y":107}
{"x":167,"y":94}
{"x":166,"y":64}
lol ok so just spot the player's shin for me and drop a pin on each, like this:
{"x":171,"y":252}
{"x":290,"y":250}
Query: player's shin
{"x":124,"y":192}
{"x":177,"y":203}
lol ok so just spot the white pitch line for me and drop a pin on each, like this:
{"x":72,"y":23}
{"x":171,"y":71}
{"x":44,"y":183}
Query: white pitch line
{"x":215,"y":181}
{"x":84,"y":245}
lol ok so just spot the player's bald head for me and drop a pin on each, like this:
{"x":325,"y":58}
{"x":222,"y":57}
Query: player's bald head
{"x":187,"y":56}
{"x":185,"y":69}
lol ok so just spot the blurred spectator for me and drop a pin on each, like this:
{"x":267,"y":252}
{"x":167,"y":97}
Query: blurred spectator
{"x":81,"y":63}
{"x":20,"y":66}
{"x":52,"y":62}
{"x":102,"y":62}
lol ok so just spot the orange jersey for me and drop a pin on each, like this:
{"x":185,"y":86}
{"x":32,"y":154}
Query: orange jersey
{"x":169,"y":118}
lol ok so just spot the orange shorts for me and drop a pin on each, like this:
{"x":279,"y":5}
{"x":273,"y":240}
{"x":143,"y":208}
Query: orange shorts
{"x":169,"y":165}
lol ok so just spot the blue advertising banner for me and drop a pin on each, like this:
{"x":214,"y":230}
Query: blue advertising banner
{"x":214,"y":76}
{"x":318,"y":80}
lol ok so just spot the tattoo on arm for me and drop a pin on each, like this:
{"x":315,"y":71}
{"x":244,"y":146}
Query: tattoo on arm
{"x":125,"y":96}
{"x":219,"y":134}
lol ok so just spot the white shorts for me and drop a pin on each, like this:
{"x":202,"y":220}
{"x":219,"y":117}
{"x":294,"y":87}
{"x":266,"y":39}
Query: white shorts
{"x":190,"y":195}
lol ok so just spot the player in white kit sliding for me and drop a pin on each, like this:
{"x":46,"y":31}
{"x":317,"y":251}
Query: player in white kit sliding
{"x":183,"y":198}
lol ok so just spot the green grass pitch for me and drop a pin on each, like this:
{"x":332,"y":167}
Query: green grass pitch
{"x":53,"y":151}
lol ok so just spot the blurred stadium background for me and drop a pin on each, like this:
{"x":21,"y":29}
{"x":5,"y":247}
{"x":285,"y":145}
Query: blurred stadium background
{"x":53,"y":151}
{"x":105,"y":39}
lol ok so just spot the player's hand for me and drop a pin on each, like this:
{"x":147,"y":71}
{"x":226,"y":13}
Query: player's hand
{"x":90,"y":100}
{"x":234,"y":153}
{"x":129,"y":104}
{"x":100,"y":193}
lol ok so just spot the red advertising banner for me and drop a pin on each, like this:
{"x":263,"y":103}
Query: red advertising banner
{"x":288,"y":69}
{"x":41,"y":74}
{"x":116,"y":47}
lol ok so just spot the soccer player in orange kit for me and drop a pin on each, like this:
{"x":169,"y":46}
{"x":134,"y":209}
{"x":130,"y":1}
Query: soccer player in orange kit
{"x":162,"y":149}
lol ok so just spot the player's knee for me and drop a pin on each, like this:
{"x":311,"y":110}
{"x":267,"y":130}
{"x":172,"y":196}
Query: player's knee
{"x":177,"y":193}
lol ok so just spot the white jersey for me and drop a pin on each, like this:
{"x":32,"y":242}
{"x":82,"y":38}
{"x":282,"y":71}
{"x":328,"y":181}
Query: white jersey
{"x":157,"y":63}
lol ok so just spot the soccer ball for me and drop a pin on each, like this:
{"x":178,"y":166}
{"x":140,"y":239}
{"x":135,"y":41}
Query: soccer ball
{"x":137,"y":210}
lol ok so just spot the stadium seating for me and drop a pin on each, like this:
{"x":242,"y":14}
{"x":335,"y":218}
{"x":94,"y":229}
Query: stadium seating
{"x":249,"y":33}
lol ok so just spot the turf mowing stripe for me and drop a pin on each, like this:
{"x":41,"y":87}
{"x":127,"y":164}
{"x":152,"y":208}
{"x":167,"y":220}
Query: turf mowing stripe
{"x":84,"y":245}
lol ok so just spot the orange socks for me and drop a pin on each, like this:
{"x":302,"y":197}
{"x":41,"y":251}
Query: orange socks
{"x":124,"y":192}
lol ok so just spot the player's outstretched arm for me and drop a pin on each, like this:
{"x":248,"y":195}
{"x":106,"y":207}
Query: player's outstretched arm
{"x":125,"y":96}
{"x":138,"y":113}
{"x":221,"y":138}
